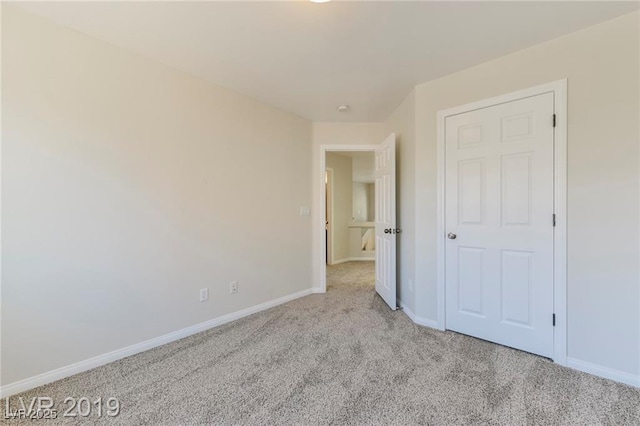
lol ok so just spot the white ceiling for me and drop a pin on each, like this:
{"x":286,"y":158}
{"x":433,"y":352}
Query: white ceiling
{"x":309,"y":58}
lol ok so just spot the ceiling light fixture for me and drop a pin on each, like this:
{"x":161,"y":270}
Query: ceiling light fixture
{"x":320,"y":1}
{"x":343,"y":108}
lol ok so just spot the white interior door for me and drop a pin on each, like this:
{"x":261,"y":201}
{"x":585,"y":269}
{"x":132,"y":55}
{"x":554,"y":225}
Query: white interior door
{"x":499,"y":223}
{"x":328,"y":222}
{"x":385,"y":201}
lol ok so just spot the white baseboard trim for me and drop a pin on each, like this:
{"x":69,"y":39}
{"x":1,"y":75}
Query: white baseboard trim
{"x":97,"y":361}
{"x":605,"y":372}
{"x":416,"y":319}
{"x":317,"y":290}
{"x":408,"y":312}
{"x":576,"y":364}
{"x":353,"y":259}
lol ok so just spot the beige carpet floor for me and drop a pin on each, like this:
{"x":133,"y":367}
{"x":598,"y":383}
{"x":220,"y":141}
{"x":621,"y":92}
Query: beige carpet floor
{"x":344,"y":358}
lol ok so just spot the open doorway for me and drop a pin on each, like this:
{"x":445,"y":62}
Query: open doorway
{"x":350,"y":219}
{"x":356,"y":243}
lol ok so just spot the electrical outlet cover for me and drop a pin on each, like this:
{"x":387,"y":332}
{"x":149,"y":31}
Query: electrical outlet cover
{"x":204,"y":294}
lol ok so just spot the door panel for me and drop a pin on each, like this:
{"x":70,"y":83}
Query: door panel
{"x":499,"y":203}
{"x":516,"y":189}
{"x":385,"y":190}
{"x":516,"y":287}
{"x":471,"y":191}
{"x":470,"y":280}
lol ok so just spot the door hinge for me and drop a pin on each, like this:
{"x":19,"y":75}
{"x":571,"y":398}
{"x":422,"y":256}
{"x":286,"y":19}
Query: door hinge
{"x":553,"y":218}
{"x":554,"y":320}
{"x":554,"y":120}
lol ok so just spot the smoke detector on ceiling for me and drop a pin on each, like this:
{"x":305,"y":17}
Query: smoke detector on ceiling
{"x":343,"y":108}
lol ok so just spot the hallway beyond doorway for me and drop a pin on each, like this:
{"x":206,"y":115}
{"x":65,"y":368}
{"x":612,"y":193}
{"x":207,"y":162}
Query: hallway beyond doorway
{"x":356,"y":275}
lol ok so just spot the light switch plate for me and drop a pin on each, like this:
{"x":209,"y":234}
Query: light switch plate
{"x":304,"y":211}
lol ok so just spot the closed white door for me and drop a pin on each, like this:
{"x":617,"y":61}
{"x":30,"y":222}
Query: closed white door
{"x":385,"y":211}
{"x":499,"y":223}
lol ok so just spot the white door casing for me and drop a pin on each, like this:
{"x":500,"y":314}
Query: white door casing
{"x":328,"y":210}
{"x":385,"y":220}
{"x":320,"y":227}
{"x":499,"y":203}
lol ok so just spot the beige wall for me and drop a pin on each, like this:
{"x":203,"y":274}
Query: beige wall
{"x":601,"y":64}
{"x":127,"y":187}
{"x":361,"y":202}
{"x":347,"y":134}
{"x":342,"y":204}
{"x":371,"y":202}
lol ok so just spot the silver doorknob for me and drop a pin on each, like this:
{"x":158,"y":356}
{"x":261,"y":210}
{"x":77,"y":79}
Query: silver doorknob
{"x":451,"y":236}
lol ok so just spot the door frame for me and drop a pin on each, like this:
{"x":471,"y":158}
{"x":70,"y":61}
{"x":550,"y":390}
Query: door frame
{"x":559,"y":90}
{"x":328,"y":208}
{"x":320,"y":226}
